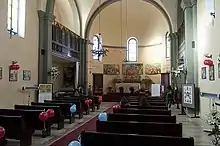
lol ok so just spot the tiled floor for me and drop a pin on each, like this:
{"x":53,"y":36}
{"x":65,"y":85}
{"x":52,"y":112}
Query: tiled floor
{"x":192,"y":127}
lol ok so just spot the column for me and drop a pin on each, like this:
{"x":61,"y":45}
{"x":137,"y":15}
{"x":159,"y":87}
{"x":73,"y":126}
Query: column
{"x":85,"y":44}
{"x":174,"y":50}
{"x":45,"y":45}
{"x":83,"y":76}
{"x":194,"y":9}
{"x":190,"y":40}
{"x":80,"y":64}
{"x":77,"y":74}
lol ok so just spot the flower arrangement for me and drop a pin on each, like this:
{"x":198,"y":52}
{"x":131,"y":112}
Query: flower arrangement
{"x":213,"y":118}
{"x":54,"y":72}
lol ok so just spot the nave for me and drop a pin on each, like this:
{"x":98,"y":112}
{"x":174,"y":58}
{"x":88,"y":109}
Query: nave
{"x":154,"y":120}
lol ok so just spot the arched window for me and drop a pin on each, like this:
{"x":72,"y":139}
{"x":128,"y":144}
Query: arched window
{"x":167,"y":45}
{"x":16,"y":17}
{"x":96,"y":48}
{"x":132,"y":46}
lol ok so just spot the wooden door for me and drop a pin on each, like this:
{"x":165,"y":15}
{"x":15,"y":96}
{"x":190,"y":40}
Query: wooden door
{"x":97,"y":84}
{"x":165,"y":79}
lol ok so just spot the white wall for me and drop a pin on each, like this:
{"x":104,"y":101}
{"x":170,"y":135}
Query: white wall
{"x":24,"y":50}
{"x":208,"y":42}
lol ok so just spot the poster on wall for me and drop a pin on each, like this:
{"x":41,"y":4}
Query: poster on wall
{"x":188,"y":95}
{"x":155,"y":90}
{"x":45,"y":92}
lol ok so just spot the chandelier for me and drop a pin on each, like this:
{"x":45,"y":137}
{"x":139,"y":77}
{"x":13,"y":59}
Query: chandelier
{"x":98,"y":51}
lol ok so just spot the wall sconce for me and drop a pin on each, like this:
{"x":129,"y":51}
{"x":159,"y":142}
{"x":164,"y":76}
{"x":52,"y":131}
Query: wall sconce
{"x":212,"y":14}
{"x":208,"y":55}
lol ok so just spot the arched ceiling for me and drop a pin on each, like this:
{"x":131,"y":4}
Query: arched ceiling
{"x":87,"y":7}
{"x":121,"y":20}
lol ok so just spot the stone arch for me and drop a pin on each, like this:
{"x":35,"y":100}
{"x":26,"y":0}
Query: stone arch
{"x":107,"y":3}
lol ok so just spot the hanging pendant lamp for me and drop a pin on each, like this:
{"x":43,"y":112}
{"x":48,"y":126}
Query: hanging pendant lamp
{"x":97,"y":50}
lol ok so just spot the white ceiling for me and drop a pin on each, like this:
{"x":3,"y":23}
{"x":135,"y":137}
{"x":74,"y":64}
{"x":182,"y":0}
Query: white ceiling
{"x":87,"y":7}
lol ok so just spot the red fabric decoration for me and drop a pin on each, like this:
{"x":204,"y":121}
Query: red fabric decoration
{"x":116,"y":106}
{"x":99,"y":99}
{"x":87,"y":102}
{"x":14,"y":67}
{"x":43,"y":116}
{"x":208,"y":62}
{"x":90,"y":101}
{"x":2,"y":132}
{"x":50,"y":113}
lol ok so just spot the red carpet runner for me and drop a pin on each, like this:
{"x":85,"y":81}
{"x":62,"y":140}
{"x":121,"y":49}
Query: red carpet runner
{"x":64,"y":140}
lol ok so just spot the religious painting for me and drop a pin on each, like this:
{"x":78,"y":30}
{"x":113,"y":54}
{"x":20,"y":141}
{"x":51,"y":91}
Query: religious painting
{"x":203,"y":72}
{"x":0,"y":73}
{"x":132,"y":69}
{"x":26,"y":75}
{"x":111,"y":69}
{"x":153,"y":69}
{"x":69,"y":76}
{"x":13,"y":75}
{"x":211,"y":73}
{"x":218,"y":70}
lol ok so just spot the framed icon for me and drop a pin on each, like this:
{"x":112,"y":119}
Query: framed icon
{"x":13,"y":75}
{"x":211,"y":73}
{"x":203,"y":72}
{"x":26,"y":75}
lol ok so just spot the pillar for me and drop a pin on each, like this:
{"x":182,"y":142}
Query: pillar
{"x":77,"y":74}
{"x":174,"y":50}
{"x":45,"y":46}
{"x":83,"y":70}
{"x":189,"y":7}
{"x":194,"y":3}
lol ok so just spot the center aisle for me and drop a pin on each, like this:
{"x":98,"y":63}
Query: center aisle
{"x":88,"y":125}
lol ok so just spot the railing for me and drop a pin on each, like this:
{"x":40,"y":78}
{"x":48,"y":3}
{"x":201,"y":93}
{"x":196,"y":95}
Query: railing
{"x":65,"y":43}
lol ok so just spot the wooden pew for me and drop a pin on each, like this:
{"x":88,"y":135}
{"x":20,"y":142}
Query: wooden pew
{"x":65,"y":109}
{"x":31,"y":117}
{"x":17,"y":128}
{"x":142,"y":128}
{"x":152,"y":103}
{"x":84,"y":107}
{"x":3,"y":141}
{"x":141,"y":118}
{"x":94,"y":101}
{"x":149,"y":100}
{"x":57,"y":119}
{"x":151,"y":107}
{"x":79,"y":109}
{"x":112,"y":139}
{"x":142,"y":111}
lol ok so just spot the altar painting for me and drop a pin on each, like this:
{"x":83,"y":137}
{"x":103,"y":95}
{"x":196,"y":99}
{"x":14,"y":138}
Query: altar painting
{"x":111,"y":69}
{"x":132,"y":69}
{"x":153,"y":69}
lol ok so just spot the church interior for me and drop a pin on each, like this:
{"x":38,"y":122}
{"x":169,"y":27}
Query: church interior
{"x":109,"y":72}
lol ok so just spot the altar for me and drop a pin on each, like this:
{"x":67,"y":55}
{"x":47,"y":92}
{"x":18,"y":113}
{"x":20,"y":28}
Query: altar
{"x":126,"y":86}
